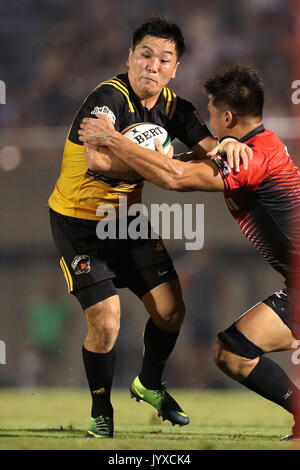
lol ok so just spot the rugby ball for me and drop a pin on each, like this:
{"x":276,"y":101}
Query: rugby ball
{"x":144,"y":134}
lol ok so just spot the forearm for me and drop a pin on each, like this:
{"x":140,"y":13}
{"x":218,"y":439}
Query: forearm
{"x":153,"y":166}
{"x":103,"y":161}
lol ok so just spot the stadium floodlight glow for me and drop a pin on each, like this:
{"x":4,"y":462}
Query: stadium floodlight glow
{"x":2,"y":92}
{"x":2,"y":352}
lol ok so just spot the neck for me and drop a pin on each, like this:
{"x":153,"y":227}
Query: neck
{"x":243,"y":128}
{"x":146,"y":100}
{"x":149,"y":102}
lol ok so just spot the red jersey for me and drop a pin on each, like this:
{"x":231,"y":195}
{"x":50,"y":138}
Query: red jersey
{"x":265,"y":199}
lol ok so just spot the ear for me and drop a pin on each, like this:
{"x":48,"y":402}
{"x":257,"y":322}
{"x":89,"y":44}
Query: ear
{"x":175,"y":70}
{"x":229,"y":119}
{"x":129,"y":57}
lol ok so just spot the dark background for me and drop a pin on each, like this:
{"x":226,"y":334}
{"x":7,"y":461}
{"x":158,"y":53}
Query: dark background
{"x":53,"y":54}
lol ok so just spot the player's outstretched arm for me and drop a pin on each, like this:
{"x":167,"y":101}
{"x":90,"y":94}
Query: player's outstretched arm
{"x":154,"y":166}
{"x":236,"y":152}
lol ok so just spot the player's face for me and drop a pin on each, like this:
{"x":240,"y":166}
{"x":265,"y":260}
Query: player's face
{"x":217,"y":120}
{"x":152,"y":64}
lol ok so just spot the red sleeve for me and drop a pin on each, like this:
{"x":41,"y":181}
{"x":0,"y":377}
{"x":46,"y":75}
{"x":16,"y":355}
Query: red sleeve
{"x":249,"y":179}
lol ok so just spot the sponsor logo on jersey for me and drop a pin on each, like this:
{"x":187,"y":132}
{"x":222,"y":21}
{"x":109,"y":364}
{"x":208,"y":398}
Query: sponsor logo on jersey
{"x":104,"y":110}
{"x":81,"y":264}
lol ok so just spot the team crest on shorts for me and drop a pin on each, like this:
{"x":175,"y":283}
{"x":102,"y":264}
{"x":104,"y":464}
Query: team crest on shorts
{"x":81,"y":264}
{"x":159,"y":246}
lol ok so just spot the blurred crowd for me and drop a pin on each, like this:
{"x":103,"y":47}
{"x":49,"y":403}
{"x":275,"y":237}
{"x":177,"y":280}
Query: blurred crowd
{"x":54,"y":53}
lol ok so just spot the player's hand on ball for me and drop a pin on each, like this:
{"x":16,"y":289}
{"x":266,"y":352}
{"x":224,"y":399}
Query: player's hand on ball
{"x":159,"y":148}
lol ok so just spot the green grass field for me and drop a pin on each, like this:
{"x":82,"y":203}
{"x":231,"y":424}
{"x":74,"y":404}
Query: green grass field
{"x":51,"y":419}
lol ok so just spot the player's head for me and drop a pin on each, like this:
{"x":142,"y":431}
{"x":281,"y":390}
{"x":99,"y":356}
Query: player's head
{"x":160,"y":28}
{"x":236,"y":97}
{"x":157,"y":45}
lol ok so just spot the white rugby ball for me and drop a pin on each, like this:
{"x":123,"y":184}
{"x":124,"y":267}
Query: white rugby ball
{"x":144,"y":134}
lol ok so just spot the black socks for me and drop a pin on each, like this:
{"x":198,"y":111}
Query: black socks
{"x":99,"y":370}
{"x":158,"y":346}
{"x":100,"y":367}
{"x":270,"y":381}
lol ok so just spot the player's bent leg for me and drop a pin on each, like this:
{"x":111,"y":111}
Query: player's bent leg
{"x":235,"y":366}
{"x":103,"y":320}
{"x":165,"y":305}
{"x":239,"y":353}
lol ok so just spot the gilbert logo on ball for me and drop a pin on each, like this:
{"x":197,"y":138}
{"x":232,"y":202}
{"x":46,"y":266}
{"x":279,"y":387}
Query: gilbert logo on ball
{"x":2,"y":92}
{"x":145,"y":133}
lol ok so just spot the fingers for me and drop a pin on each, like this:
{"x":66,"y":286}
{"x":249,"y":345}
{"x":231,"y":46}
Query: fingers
{"x":234,"y":154}
{"x":250,"y":152}
{"x":170,"y":153}
{"x":229,"y":155}
{"x":101,"y":122}
{"x":105,"y":120}
{"x":212,"y":153}
{"x":158,"y":146}
{"x":244,"y":158}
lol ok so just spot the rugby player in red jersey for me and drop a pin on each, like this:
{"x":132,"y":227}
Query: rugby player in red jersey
{"x":262,"y":200}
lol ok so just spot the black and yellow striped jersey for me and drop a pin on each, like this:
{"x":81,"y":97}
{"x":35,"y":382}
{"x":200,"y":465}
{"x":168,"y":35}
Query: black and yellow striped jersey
{"x":79,"y":191}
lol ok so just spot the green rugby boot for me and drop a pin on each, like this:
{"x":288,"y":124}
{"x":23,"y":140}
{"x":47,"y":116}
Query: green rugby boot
{"x":101,"y":427}
{"x":166,"y":406}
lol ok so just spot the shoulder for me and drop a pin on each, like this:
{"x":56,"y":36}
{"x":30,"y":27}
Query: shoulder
{"x":114,"y":88}
{"x":175,"y":105}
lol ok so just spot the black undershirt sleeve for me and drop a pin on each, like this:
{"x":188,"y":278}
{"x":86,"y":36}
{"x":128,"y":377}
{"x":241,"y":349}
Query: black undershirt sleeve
{"x":187,"y":125}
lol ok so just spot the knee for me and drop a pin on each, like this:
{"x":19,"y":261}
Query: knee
{"x":103,"y":327}
{"x":233,"y":365}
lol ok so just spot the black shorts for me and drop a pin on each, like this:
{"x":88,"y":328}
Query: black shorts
{"x":282,"y":304}
{"x":95,"y":268}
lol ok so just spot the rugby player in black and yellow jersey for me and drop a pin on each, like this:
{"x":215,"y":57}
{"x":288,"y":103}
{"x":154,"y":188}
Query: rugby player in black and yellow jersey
{"x":94,"y":268}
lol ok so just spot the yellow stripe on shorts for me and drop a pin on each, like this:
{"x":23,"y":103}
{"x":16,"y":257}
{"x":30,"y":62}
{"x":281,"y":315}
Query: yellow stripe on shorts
{"x":66,"y":274}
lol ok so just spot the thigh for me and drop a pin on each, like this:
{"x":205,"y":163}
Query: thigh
{"x":83,"y":258}
{"x":146,"y":265}
{"x":263,"y":327}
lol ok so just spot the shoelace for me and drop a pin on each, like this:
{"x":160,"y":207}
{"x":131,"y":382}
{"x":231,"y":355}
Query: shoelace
{"x":102,"y":423}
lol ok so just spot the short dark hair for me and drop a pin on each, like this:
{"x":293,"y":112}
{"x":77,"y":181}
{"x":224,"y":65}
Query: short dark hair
{"x":160,"y":28}
{"x":239,"y":87}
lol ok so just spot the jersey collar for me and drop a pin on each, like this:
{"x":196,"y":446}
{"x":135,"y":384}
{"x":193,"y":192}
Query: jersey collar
{"x":257,"y":130}
{"x":136,"y":99}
